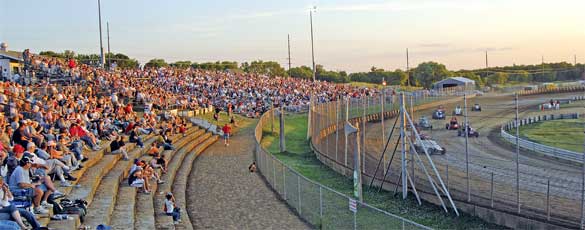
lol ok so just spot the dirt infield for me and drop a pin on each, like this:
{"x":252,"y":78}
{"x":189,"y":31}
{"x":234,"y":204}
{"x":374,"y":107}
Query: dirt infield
{"x":487,"y":154}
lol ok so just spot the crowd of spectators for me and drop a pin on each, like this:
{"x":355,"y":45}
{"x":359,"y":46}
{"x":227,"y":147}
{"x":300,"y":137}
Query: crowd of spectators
{"x":47,"y":129}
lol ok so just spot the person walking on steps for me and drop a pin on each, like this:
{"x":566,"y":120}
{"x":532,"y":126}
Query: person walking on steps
{"x":226,"y":134}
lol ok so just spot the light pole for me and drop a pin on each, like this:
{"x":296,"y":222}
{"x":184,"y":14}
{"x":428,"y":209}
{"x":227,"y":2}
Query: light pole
{"x":313,"y":58}
{"x":101,"y":44}
{"x":312,"y":45}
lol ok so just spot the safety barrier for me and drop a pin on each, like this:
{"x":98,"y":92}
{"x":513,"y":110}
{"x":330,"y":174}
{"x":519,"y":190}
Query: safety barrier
{"x":544,"y":149}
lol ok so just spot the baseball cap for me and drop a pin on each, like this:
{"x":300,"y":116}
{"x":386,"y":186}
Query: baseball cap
{"x":103,"y":227}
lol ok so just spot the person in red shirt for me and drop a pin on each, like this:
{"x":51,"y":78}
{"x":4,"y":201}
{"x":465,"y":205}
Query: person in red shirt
{"x":227,"y":130}
{"x":72,"y":64}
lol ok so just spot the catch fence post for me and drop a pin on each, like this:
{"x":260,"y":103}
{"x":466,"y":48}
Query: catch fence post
{"x":548,"y":199}
{"x":299,"y":186}
{"x":284,"y":181}
{"x":321,"y":203}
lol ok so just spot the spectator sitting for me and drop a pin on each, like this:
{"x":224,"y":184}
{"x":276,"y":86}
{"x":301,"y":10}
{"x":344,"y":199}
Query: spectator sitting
{"x":164,"y":141}
{"x":136,"y":179}
{"x":153,"y":150}
{"x":48,"y":167}
{"x":149,"y":172}
{"x":118,"y":146}
{"x":20,"y":180}
{"x":171,"y":208}
{"x":6,"y":207}
{"x":134,"y":138}
{"x":252,"y":167}
{"x":158,"y":161}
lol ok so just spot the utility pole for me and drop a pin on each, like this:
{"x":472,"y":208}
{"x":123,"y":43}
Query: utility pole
{"x":289,"y":64}
{"x":542,"y":60}
{"x":486,"y":63}
{"x":101,"y":43}
{"x":575,"y":60}
{"x":108,"y":34}
{"x":486,"y":60}
{"x":312,"y":44}
{"x":407,"y":69}
{"x":517,"y":156}
{"x":583,"y":189}
{"x":466,"y":130}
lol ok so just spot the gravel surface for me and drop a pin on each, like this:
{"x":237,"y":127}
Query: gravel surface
{"x":222,"y":194}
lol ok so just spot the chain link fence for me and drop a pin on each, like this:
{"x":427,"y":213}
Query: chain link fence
{"x":315,"y":203}
{"x":548,"y":191}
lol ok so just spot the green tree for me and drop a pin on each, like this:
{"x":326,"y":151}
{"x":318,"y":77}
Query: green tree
{"x":301,"y":72}
{"x":520,"y":76}
{"x":270,"y":68}
{"x":497,"y":78}
{"x":181,"y":64}
{"x":156,"y":63}
{"x":426,"y":73}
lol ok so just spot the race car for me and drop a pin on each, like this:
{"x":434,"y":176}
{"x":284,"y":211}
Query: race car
{"x":424,"y":123}
{"x":439,"y":113}
{"x":453,"y":124}
{"x":470,"y":132}
{"x":431,"y":146}
{"x":476,"y":107}
{"x":458,"y":111}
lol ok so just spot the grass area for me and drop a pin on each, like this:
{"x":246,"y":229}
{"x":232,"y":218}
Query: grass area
{"x":300,"y":158}
{"x":564,"y":134}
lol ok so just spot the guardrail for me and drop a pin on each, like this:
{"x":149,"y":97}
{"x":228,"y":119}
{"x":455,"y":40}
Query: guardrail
{"x":318,"y":204}
{"x":566,"y":89}
{"x":544,"y":149}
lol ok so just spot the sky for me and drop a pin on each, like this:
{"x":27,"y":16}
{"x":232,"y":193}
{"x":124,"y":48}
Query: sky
{"x":349,"y":35}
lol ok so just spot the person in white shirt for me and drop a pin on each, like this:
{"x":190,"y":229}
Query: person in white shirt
{"x":7,"y":207}
{"x":171,"y":209}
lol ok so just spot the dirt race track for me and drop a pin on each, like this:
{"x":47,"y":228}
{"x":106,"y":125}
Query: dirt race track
{"x":487,"y":154}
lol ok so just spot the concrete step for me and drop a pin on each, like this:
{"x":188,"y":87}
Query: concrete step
{"x":104,"y":202}
{"x":89,"y":179}
{"x":180,"y":185}
{"x":124,"y":210}
{"x":174,"y":165}
{"x":145,"y":211}
{"x":101,"y":205}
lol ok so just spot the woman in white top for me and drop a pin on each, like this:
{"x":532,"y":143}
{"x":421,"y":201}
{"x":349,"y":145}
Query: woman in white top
{"x":7,"y":207}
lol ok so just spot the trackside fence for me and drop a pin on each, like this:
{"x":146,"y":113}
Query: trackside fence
{"x":317,"y":204}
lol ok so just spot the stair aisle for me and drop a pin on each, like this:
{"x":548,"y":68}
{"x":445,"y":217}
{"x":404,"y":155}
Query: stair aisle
{"x":88,"y":179}
{"x":124,"y":209}
{"x":101,"y":205}
{"x":144,"y":209}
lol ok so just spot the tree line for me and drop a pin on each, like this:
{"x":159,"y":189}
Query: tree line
{"x":121,"y":60}
{"x":423,"y":75}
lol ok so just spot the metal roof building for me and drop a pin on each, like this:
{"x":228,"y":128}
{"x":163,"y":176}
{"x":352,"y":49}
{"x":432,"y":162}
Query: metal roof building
{"x":454,"y":82}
